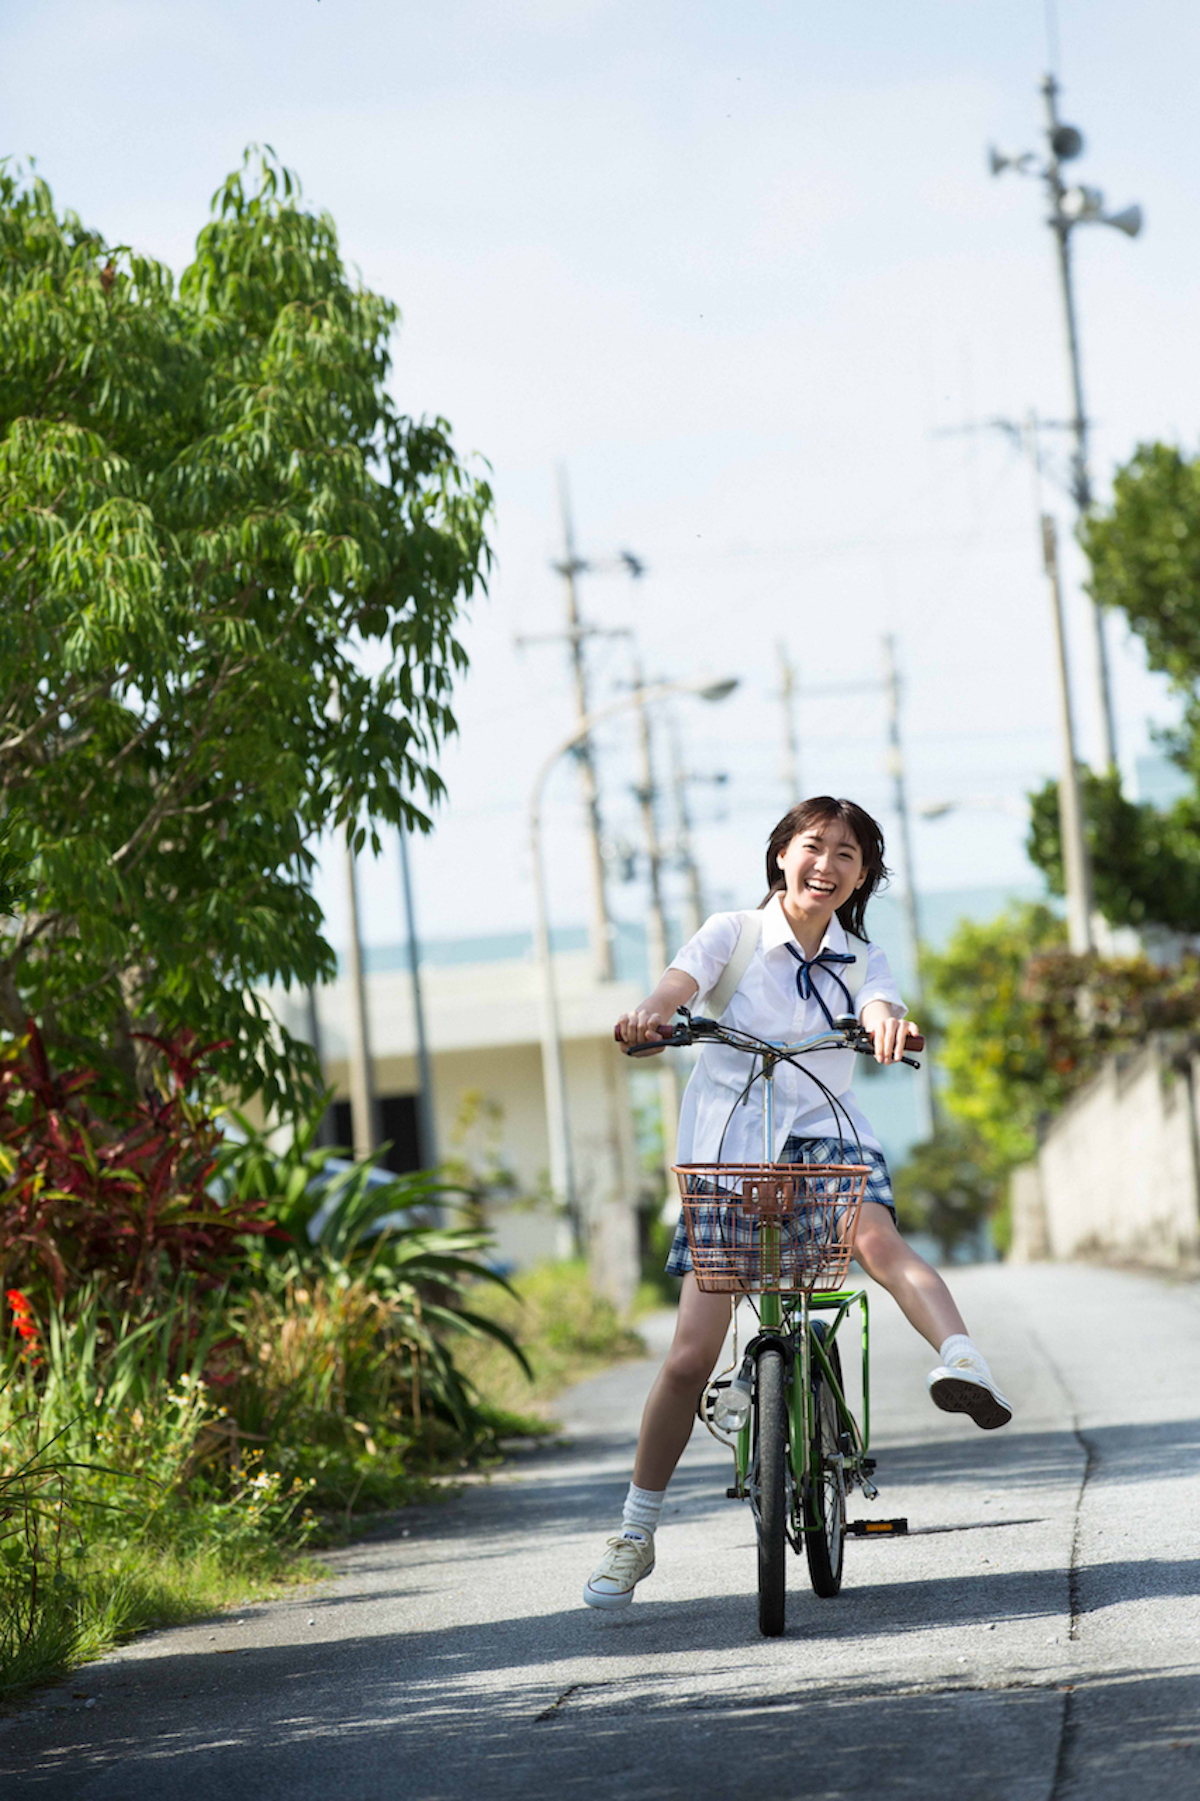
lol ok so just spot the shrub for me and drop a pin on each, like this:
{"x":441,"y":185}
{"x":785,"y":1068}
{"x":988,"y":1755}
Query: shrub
{"x":98,"y":1185}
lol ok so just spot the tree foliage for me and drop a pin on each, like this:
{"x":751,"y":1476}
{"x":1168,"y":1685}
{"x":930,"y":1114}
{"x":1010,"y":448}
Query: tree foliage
{"x":230,"y":572}
{"x":1024,"y":1022}
{"x":997,"y":1073}
{"x":1145,"y":862}
{"x":1144,"y":552}
{"x":948,"y":1187}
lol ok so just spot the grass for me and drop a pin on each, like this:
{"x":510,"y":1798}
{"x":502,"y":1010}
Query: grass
{"x":146,"y":1522}
{"x":101,"y":1600}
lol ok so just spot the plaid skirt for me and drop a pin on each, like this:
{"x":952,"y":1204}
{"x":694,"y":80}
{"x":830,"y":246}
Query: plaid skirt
{"x":804,"y":1150}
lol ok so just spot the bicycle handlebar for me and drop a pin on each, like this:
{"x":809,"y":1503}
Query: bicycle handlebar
{"x":850,"y":1036}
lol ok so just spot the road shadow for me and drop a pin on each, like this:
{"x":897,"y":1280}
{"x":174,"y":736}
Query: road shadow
{"x":335,"y":1720}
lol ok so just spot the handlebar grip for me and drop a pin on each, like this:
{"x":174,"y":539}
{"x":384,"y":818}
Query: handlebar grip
{"x":916,"y":1043}
{"x":643,"y":1050}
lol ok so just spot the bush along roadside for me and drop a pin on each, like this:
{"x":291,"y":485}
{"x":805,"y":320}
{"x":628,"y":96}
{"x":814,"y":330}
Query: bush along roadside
{"x":212,"y":1354}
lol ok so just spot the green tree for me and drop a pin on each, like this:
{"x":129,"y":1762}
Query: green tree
{"x":230,"y":573}
{"x":1145,"y":863}
{"x":1024,"y":1023}
{"x":1144,"y":552}
{"x":997,"y":1072}
{"x":949,"y":1186}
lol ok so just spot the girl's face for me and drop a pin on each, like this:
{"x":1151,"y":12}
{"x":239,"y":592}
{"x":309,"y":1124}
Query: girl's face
{"x":822,"y":867}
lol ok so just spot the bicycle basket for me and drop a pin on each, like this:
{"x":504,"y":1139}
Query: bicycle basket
{"x":771,"y":1228}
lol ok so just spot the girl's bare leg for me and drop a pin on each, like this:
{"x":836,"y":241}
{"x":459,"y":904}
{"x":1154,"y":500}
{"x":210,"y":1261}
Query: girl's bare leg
{"x":917,"y":1289}
{"x":671,"y":1406}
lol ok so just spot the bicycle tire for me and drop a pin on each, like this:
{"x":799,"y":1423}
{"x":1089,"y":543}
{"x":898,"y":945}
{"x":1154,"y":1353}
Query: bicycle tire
{"x":772,"y":1422}
{"x":825,"y":1495}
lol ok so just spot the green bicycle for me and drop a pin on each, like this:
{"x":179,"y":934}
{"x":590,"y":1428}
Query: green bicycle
{"x":782,"y":1235}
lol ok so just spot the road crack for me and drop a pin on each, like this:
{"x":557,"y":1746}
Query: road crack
{"x":551,"y":1712}
{"x":1068,"y":1731}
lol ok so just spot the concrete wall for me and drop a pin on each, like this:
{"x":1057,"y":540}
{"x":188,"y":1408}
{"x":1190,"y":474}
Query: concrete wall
{"x":1118,"y":1171}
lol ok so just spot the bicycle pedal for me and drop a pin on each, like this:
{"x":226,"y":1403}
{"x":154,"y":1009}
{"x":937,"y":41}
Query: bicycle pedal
{"x":877,"y":1528}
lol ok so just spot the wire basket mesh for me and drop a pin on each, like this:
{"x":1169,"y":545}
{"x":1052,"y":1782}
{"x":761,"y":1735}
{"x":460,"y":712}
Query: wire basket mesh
{"x":771,"y":1228}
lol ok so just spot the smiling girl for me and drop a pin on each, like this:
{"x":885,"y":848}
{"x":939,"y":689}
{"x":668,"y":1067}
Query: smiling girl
{"x":824,"y":861}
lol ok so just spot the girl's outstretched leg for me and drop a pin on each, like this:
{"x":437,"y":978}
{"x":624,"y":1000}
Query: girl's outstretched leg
{"x":667,"y":1420}
{"x":962,"y":1382}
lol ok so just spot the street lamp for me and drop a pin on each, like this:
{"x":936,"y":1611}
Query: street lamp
{"x":1069,"y":207}
{"x":562,"y":1172}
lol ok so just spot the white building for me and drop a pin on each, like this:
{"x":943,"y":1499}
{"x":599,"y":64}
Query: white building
{"x":482,"y":1015}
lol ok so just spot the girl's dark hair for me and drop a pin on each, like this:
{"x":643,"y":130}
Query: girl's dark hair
{"x":823,"y":809}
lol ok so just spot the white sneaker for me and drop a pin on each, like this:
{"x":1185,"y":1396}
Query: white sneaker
{"x":964,"y":1385}
{"x":629,"y":1557}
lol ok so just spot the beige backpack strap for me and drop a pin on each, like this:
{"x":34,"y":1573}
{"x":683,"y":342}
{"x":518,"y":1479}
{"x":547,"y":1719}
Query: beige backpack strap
{"x":855,"y":974}
{"x":730,"y":979}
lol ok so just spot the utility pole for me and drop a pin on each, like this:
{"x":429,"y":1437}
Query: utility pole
{"x":694,"y":913}
{"x":569,"y":568}
{"x":656,"y":933}
{"x":791,"y":740}
{"x":592,"y":1231}
{"x":553,"y":1070}
{"x":325,"y":1132}
{"x":363,"y":1113}
{"x":924,"y":1085}
{"x":426,"y":1118}
{"x":1071,"y":207}
{"x":1061,"y":223}
{"x":1077,"y":863}
{"x":575,"y":636}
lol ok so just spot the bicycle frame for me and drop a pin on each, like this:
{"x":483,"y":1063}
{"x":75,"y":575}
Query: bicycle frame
{"x":790,"y":1322}
{"x":787,"y":1321}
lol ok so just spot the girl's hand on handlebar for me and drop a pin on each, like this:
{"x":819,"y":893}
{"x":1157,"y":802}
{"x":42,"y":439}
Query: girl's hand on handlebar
{"x":641,"y":1028}
{"x":891,"y":1037}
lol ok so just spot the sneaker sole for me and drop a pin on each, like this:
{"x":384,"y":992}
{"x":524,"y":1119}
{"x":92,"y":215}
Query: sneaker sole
{"x":594,"y":1598}
{"x":953,"y":1395}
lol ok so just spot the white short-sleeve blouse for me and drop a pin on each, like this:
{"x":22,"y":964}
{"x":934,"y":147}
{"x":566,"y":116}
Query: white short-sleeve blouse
{"x":768,"y":1004}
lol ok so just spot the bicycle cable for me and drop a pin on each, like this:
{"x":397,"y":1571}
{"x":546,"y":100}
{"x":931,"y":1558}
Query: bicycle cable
{"x":836,"y":1106}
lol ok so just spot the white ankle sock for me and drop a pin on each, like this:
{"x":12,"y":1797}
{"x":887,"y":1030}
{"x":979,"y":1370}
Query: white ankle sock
{"x":642,"y":1508}
{"x":959,"y":1345}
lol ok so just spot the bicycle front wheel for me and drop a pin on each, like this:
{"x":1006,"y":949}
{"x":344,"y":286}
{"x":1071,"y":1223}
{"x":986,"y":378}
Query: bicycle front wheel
{"x":825,"y":1492}
{"x":772,"y":1421}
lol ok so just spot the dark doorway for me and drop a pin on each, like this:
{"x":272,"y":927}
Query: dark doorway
{"x":397,"y":1122}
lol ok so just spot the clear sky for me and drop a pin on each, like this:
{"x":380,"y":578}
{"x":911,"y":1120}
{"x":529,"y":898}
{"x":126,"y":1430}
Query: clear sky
{"x":738,"y":266}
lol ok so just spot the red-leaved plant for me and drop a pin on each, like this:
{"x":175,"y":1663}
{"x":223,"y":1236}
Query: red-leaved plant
{"x":96,"y":1187}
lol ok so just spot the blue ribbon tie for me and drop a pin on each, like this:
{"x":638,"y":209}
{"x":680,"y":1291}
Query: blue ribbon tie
{"x":806,"y":987}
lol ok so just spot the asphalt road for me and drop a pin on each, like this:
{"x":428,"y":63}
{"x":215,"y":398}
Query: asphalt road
{"x":1035,"y":1637}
